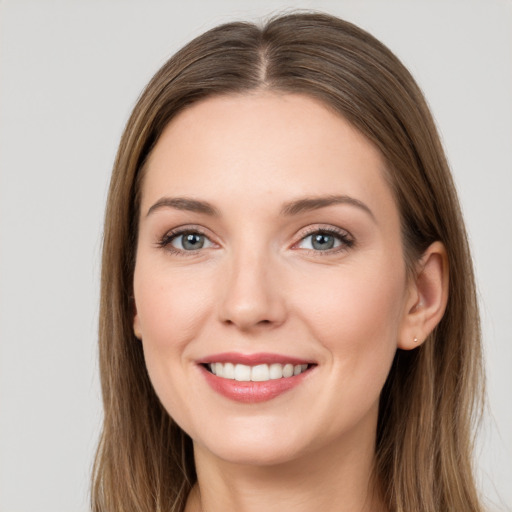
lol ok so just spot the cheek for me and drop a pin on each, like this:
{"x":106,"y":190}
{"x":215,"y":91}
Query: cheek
{"x":171,"y":310}
{"x":357,"y":323}
{"x":355,"y":312}
{"x":364,"y":298}
{"x":170,"y":306}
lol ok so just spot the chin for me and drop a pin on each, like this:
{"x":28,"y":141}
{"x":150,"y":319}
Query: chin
{"x":266,"y":440}
{"x":256,"y":447}
{"x":257,"y":455}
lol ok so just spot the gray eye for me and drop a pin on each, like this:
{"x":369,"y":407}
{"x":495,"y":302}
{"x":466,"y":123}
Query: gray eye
{"x":320,"y":241}
{"x":190,"y":241}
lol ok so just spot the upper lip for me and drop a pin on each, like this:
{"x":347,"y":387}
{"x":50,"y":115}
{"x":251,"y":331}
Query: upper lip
{"x":252,"y":359}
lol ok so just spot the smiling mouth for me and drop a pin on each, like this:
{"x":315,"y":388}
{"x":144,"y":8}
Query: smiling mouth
{"x":256,"y":373}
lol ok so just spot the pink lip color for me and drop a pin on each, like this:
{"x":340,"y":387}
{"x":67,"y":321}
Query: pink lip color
{"x":251,"y":392}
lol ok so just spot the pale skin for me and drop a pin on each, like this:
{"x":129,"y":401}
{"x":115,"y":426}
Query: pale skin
{"x":296,"y":250}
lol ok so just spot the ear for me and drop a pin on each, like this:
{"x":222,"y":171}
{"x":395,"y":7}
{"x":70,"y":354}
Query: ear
{"x":427,"y":297}
{"x":136,"y":322}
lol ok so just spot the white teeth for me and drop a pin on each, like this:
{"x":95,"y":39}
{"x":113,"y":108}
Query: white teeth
{"x":229,"y":371}
{"x":288,"y":370}
{"x":276,"y":371}
{"x":242,"y":372}
{"x":258,"y":373}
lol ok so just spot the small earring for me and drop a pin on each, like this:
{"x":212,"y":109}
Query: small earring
{"x":415,"y":340}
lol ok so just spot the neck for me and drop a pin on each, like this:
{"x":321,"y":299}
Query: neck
{"x":336,"y":478}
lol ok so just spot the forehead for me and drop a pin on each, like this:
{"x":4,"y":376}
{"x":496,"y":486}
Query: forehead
{"x":260,"y":146}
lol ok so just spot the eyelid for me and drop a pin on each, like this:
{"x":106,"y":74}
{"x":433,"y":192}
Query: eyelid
{"x":165,"y":240}
{"x":346,"y":238}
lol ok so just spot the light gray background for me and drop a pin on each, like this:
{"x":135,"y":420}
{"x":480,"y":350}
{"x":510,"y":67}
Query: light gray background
{"x":70,"y":71}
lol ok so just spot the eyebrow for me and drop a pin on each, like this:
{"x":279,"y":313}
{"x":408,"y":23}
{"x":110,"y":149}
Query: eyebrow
{"x":315,"y":203}
{"x":289,"y":209}
{"x":184,"y":203}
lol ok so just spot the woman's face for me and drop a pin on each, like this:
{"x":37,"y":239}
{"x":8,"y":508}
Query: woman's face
{"x":269,"y":252}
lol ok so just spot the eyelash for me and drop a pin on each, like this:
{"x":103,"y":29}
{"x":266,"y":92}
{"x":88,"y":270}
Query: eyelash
{"x":166,"y":241}
{"x":346,"y":240}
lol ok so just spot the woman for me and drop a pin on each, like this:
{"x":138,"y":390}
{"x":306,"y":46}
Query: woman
{"x":288,"y":312}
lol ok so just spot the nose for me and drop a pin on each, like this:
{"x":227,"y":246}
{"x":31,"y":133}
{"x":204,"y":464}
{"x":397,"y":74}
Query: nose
{"x":253,"y":295}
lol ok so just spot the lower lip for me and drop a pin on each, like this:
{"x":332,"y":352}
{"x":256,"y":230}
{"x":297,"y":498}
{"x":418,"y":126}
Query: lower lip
{"x":252,"y":392}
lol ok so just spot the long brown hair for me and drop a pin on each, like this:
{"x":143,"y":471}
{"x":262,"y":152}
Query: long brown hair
{"x":424,"y":436}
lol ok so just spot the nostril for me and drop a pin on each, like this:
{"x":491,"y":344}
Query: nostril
{"x":262,"y":323}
